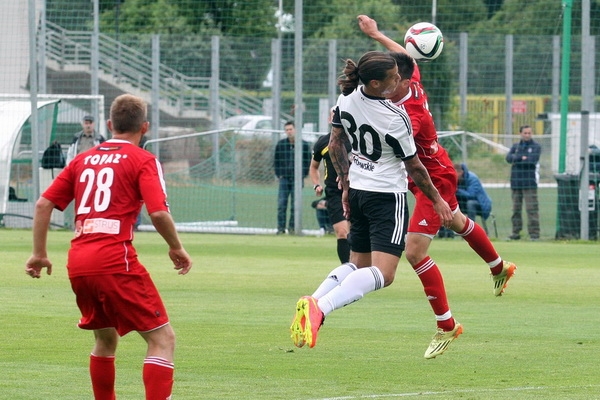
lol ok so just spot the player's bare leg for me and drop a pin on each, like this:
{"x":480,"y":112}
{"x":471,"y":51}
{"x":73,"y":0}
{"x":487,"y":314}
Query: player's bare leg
{"x":158,"y":364}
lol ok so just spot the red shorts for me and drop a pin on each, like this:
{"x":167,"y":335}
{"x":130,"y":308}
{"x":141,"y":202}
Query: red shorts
{"x":126,"y":302}
{"x":424,"y":219}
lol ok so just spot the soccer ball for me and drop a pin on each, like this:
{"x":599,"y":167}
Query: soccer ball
{"x":424,"y":41}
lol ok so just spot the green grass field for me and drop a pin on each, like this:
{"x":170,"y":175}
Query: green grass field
{"x":231,"y":314}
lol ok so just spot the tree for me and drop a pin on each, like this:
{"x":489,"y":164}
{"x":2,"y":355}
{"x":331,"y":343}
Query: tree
{"x":232,"y":18}
{"x":519,"y":17}
{"x":458,"y":16}
{"x":70,"y":14}
{"x":144,"y":17}
{"x":493,"y":6}
{"x":451,"y":15}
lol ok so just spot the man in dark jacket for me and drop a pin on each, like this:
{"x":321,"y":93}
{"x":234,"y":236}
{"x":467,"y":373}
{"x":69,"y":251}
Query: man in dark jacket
{"x":471,"y":195}
{"x":283,"y":163}
{"x":85,"y":139}
{"x":524,"y":157}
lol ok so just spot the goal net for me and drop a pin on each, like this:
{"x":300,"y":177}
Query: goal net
{"x":220,"y":181}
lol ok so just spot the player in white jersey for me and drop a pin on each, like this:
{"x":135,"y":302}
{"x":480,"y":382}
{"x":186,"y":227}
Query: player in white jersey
{"x":381,"y":138}
{"x":424,"y":223}
{"x":374,"y":187}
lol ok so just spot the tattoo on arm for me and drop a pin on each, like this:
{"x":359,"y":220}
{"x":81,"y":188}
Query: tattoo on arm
{"x":338,"y":154}
{"x":421,"y":177}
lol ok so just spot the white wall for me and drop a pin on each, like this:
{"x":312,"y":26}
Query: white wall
{"x":572,"y":162}
{"x":14,"y":48}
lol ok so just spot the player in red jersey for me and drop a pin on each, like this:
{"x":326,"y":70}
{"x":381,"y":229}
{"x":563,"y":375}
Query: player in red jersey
{"x":424,"y":222}
{"x":113,"y":290}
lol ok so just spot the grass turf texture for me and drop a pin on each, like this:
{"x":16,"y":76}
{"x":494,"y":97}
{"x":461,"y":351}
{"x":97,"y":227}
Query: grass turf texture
{"x":232,"y":312}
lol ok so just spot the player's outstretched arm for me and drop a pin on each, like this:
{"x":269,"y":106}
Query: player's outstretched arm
{"x":369,"y":27}
{"x":41,"y":222}
{"x":165,"y":226}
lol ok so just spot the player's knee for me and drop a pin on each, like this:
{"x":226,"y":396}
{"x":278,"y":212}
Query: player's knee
{"x":161,"y":340}
{"x":388,"y":279}
{"x":414,"y":253}
{"x":106,"y":342}
{"x":169,"y":338}
{"x":458,"y":222}
{"x":388,"y":273}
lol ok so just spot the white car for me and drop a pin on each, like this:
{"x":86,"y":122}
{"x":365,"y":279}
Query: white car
{"x":261,"y":126}
{"x":250,"y":125}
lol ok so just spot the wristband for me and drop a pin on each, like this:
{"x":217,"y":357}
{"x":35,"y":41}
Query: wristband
{"x":316,"y":186}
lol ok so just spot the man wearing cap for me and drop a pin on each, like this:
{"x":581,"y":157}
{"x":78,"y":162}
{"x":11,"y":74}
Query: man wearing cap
{"x":84,"y":139}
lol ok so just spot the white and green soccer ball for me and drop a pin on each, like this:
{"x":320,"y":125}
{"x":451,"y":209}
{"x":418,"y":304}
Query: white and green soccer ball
{"x":424,"y":41}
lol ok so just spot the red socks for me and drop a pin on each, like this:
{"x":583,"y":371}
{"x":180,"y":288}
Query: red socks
{"x":102,"y":372}
{"x":158,"y":378}
{"x":479,"y":241}
{"x":157,"y":375}
{"x":433,"y":285}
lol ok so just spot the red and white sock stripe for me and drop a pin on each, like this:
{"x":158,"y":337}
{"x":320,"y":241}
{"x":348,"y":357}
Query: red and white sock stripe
{"x":159,"y":361}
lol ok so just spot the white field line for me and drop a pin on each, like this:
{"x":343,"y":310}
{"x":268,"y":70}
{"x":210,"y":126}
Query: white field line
{"x":452,"y":392}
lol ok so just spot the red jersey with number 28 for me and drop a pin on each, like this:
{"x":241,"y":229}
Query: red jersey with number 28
{"x":109,"y":184}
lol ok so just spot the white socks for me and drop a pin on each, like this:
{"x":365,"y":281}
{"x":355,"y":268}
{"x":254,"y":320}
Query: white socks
{"x":356,"y":284}
{"x":334,"y":278}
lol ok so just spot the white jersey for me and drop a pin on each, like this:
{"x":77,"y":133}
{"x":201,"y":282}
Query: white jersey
{"x":381,"y":137}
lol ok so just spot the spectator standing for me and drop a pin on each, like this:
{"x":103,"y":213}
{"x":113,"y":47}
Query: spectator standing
{"x":113,"y":290}
{"x":283,"y":163}
{"x":85,"y":139}
{"x":470,"y":193}
{"x":524,"y":158}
